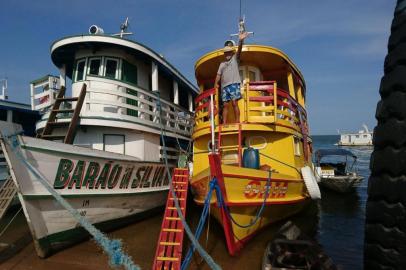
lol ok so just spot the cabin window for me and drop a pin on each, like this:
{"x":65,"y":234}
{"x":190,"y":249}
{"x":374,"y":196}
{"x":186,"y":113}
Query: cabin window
{"x":365,"y":136}
{"x":114,"y":143}
{"x":94,"y":66}
{"x":129,"y":73}
{"x":111,"y":68}
{"x":80,"y":70}
{"x":357,"y":136}
{"x":296,"y":146}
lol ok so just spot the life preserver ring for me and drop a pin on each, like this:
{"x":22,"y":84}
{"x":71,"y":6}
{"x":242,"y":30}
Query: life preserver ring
{"x":311,"y":183}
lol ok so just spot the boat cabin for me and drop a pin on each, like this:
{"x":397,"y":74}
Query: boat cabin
{"x":272,"y":109}
{"x":124,"y":83}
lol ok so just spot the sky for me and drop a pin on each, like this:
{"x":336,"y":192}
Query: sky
{"x":339,"y":46}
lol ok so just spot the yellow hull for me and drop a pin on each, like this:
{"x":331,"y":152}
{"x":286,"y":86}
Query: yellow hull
{"x":272,"y":120}
{"x":244,"y":191}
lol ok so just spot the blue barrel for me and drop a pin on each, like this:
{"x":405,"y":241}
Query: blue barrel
{"x":250,"y":158}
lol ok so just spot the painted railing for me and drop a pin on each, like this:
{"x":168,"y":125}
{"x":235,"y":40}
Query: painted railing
{"x":122,"y":101}
{"x":202,"y":108}
{"x":263,"y":103}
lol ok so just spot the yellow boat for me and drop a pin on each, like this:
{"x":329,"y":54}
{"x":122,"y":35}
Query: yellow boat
{"x":273,"y":120}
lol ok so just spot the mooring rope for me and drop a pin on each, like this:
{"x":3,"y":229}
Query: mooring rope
{"x":113,"y":247}
{"x":209,"y":260}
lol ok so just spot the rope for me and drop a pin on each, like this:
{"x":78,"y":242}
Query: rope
{"x":209,"y":260}
{"x":296,"y":169}
{"x":200,"y":226}
{"x":259,"y":213}
{"x":113,"y":247}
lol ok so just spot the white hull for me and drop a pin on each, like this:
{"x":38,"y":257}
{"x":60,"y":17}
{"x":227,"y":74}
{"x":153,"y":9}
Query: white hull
{"x":341,"y":183}
{"x":102,"y":186}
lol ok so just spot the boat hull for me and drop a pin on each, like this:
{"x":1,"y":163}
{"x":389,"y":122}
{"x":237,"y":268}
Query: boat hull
{"x":342,"y":184}
{"x":105,"y":188}
{"x":243,"y":191}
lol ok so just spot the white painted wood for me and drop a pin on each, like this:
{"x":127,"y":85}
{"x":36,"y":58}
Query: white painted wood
{"x":46,"y":217}
{"x":114,"y":143}
{"x":62,"y":76}
{"x":125,"y":43}
{"x":175,"y":92}
{"x":154,"y":76}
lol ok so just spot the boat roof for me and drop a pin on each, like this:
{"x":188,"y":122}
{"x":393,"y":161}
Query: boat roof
{"x":333,"y":152}
{"x":63,"y":52}
{"x":16,"y":106}
{"x":266,"y":58}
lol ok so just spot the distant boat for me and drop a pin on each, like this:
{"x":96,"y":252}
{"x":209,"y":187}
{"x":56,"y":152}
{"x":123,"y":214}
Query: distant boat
{"x":362,"y":138}
{"x":338,"y":173}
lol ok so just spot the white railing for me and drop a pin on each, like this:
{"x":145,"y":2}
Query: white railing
{"x":109,"y":99}
{"x":44,"y":100}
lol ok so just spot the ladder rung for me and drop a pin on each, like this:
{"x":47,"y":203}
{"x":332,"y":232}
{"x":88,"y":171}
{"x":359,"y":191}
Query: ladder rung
{"x":225,"y":133}
{"x":229,"y":147}
{"x":172,"y":218}
{"x":180,"y":175}
{"x":180,"y":199}
{"x":180,"y":190}
{"x":174,"y":208}
{"x":167,"y":259}
{"x":181,"y":169}
{"x":63,"y":110}
{"x":177,"y":182}
{"x":53,"y":136}
{"x":68,"y":99}
{"x":171,"y":230}
{"x":169,"y":243}
{"x":61,"y":124}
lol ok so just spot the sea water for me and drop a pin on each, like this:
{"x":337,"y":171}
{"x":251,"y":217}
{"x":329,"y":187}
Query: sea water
{"x":342,"y":216}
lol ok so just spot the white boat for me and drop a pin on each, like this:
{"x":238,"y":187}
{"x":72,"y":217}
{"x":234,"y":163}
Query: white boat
{"x":336,"y":169}
{"x":362,"y":138}
{"x":114,"y":170}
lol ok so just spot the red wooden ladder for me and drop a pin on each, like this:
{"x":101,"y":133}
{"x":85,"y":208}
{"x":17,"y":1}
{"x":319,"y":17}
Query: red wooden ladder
{"x":169,"y":248}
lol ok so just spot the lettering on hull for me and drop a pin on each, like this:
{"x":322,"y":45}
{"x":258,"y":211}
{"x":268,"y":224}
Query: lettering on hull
{"x":254,"y":190}
{"x":93,"y":175}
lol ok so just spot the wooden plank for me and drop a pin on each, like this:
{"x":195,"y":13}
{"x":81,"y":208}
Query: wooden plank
{"x":73,"y":124}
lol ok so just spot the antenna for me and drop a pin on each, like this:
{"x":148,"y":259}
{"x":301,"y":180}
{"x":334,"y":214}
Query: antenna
{"x":3,"y":95}
{"x":241,"y":27}
{"x":123,"y":28}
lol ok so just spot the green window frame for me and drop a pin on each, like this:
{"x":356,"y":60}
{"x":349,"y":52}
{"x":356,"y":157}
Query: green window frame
{"x":133,"y":102}
{"x":129,"y":73}
{"x":80,"y":68}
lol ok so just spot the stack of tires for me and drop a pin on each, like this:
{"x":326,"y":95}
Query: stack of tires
{"x":385,"y":229}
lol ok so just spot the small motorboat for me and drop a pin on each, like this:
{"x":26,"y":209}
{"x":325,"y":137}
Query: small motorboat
{"x":336,"y":170}
{"x":292,"y":249}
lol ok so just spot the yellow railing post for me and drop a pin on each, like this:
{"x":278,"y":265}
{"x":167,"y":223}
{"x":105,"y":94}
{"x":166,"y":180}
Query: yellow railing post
{"x":275,"y":101}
